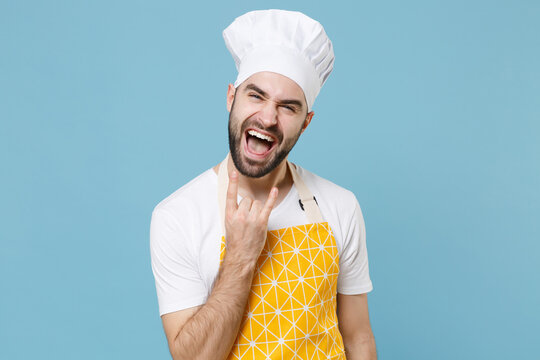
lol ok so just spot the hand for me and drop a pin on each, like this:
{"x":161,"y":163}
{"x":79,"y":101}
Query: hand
{"x":246,"y":223}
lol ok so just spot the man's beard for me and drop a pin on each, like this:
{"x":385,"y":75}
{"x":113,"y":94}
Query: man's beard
{"x":249,"y":167}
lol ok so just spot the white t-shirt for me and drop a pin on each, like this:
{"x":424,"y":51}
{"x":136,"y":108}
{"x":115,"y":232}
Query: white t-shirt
{"x":185,"y":236}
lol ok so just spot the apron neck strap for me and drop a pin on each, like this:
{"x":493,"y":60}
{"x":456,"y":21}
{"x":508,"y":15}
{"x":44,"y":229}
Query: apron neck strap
{"x":307,"y":200}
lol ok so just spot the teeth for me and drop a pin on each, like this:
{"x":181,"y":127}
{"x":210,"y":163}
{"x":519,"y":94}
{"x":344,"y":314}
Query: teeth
{"x":260,"y":136}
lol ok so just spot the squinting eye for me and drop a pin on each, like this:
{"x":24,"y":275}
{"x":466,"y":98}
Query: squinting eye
{"x":289,"y":108}
{"x":255,"y":96}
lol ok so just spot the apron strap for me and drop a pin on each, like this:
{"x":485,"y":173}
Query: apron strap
{"x":307,"y":200}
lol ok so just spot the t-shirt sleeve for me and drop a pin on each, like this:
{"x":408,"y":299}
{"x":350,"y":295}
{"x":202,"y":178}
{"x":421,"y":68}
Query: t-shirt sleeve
{"x":353,"y":261}
{"x":178,"y":282}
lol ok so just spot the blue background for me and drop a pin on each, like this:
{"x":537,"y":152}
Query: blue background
{"x":431,"y":117}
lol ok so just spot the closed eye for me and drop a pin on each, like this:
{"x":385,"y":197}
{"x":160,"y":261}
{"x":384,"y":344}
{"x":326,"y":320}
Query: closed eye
{"x":289,"y":108}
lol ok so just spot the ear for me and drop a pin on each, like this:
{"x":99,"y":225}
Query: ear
{"x":309,"y":116}
{"x":230,"y":96}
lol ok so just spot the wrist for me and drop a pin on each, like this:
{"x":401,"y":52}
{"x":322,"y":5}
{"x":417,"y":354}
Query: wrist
{"x":240,"y":266}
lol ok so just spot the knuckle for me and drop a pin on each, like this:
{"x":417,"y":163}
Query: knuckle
{"x":246,"y":201}
{"x":255,"y":219}
{"x":261,"y":222}
{"x":241,"y":217}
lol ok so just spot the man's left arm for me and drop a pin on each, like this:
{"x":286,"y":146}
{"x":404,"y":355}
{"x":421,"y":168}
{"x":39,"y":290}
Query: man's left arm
{"x":355,"y":328}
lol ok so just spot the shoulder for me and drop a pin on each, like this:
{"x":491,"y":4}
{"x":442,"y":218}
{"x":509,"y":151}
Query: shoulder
{"x":196,"y":194}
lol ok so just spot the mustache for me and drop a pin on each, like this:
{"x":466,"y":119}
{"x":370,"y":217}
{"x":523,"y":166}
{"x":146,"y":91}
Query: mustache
{"x":273,"y":130}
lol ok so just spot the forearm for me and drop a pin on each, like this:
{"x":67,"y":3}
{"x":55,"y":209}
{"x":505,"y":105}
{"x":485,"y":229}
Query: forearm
{"x":361,"y":347}
{"x":211,"y":331}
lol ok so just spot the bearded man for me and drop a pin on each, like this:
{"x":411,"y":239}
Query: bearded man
{"x":258,"y":258}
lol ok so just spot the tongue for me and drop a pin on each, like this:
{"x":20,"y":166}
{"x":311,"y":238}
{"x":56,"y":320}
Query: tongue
{"x":257,"y":146}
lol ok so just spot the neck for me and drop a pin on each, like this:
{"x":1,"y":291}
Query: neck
{"x":259,"y":188}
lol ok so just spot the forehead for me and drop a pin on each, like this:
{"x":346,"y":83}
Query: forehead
{"x":277,"y":86}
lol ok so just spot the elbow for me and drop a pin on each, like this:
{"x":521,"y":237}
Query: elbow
{"x":181,"y":348}
{"x":359,"y":340}
{"x":174,"y":351}
{"x":177,"y":351}
{"x":364,"y":337}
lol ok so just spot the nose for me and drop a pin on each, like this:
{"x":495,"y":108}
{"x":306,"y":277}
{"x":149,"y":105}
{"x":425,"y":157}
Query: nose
{"x":268,"y":114}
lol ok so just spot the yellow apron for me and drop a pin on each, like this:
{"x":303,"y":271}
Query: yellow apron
{"x":291,"y":310}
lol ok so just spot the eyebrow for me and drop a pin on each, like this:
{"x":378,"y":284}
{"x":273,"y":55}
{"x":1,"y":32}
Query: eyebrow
{"x":281,"y":102}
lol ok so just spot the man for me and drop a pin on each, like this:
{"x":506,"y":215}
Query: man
{"x":283,"y":273}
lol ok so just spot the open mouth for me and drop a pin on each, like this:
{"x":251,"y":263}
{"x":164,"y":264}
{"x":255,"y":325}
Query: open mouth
{"x":259,"y":144}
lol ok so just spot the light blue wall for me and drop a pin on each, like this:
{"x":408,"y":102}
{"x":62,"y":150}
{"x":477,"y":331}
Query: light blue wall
{"x":431,"y":117}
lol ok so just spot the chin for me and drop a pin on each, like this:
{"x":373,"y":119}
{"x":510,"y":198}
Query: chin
{"x":250,"y":167}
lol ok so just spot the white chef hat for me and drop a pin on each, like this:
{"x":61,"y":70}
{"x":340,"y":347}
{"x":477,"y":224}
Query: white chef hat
{"x":285,"y":42}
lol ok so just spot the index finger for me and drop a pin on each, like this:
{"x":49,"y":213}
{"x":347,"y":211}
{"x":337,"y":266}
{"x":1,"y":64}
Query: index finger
{"x":270,"y":202}
{"x":232,"y":191}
